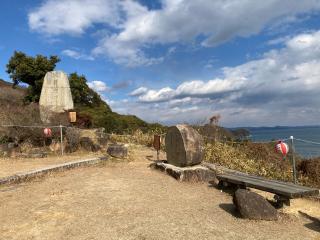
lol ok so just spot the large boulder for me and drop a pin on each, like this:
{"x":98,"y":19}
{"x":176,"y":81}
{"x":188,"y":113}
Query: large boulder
{"x":88,"y":145}
{"x":184,"y":146}
{"x":117,"y":150}
{"x":253,"y":206}
{"x":9,"y":150}
{"x":97,"y":135}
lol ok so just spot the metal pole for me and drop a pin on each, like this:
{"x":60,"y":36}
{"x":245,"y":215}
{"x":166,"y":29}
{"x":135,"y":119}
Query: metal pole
{"x":61,"y":139}
{"x":293,"y":161}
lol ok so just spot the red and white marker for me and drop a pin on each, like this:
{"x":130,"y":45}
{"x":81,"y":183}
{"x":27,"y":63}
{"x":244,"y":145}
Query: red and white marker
{"x":47,"y":132}
{"x":282,"y":148}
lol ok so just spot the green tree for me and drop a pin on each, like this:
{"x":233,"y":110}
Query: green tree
{"x":82,"y":95}
{"x":30,"y":70}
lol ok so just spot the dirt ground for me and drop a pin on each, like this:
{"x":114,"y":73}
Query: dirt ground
{"x":128,"y":200}
{"x":11,"y":166}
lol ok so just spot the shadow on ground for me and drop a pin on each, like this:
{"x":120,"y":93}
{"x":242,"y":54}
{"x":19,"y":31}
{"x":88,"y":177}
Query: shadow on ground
{"x":230,"y":208}
{"x":314,"y":224}
{"x":227,"y":189}
{"x":151,"y":159}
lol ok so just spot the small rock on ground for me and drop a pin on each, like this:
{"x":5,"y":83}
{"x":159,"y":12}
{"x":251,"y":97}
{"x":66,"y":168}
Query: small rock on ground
{"x":117,"y":150}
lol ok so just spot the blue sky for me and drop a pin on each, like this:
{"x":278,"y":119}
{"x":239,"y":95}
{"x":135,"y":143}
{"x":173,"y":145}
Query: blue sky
{"x":255,"y":63}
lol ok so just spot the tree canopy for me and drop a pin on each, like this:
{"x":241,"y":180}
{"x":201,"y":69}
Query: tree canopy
{"x":82,"y":95}
{"x":30,"y":70}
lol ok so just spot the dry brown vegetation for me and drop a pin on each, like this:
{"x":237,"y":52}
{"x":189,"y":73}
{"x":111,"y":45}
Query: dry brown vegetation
{"x":310,"y":168}
{"x":261,"y":159}
{"x":253,"y":158}
{"x":137,"y":137}
{"x":15,"y":112}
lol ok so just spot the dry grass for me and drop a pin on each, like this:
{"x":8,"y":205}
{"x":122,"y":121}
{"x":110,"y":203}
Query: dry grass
{"x":246,"y":160}
{"x":259,"y":159}
{"x":138,"y":137}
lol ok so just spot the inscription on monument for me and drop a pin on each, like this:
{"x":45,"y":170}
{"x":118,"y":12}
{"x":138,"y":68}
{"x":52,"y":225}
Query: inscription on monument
{"x":55,"y":95}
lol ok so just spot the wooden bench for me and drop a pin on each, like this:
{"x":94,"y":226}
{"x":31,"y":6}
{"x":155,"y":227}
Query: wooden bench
{"x":284,"y":191}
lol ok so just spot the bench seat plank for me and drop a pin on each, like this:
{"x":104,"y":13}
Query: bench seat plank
{"x":280,"y":188}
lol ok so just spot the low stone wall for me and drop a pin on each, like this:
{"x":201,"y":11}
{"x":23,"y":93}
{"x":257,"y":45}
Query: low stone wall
{"x":220,"y":169}
{"x":22,"y":177}
{"x":195,"y":173}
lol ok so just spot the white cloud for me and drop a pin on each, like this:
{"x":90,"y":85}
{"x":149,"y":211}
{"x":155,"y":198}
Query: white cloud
{"x":178,"y":21}
{"x":194,"y":88}
{"x":280,"y":88}
{"x":98,"y":86}
{"x":208,"y":66}
{"x":124,"y":53}
{"x":55,"y":17}
{"x":76,"y":54}
{"x":163,"y":94}
{"x":139,"y":91}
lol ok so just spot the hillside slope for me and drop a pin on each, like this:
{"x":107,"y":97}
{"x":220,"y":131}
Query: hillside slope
{"x":96,"y":114}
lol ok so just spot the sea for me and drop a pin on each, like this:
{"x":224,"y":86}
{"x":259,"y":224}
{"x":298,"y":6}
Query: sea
{"x":309,"y":148}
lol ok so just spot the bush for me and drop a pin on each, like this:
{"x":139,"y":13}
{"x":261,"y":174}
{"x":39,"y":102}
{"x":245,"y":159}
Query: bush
{"x":72,"y":136}
{"x":310,"y":168}
{"x":254,"y":158}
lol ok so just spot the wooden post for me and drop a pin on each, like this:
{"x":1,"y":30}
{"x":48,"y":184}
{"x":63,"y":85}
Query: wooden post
{"x":157,"y":144}
{"x":293,"y":161}
{"x":61,"y":140}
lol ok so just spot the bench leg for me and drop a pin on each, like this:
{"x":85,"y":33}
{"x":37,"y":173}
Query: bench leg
{"x":241,"y":187}
{"x":281,"y":201}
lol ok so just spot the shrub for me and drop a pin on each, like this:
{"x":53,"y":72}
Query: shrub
{"x":310,"y":168}
{"x":72,"y":136}
{"x":253,"y":158}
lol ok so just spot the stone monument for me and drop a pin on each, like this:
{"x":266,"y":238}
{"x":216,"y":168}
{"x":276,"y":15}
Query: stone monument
{"x":55,"y":95}
{"x":184,"y":146}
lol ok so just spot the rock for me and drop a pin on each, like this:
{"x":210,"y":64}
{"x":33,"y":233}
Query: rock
{"x":37,"y":155}
{"x":184,"y":146}
{"x":55,"y":95}
{"x":102,"y":137}
{"x":34,"y":153}
{"x":87,"y":144}
{"x":253,"y":206}
{"x":11,"y":145}
{"x":9,"y":149}
{"x":195,"y":173}
{"x":95,"y":148}
{"x":98,"y":135}
{"x":117,"y":150}
{"x":4,"y":151}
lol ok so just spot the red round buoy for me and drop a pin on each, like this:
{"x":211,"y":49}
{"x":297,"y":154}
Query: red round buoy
{"x":282,"y":148}
{"x":47,"y":132}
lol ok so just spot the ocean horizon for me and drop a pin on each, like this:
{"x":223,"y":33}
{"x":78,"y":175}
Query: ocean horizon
{"x":309,"y":148}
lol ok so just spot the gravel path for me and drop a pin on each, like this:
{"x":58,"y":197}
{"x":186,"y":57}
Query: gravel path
{"x":128,"y":200}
